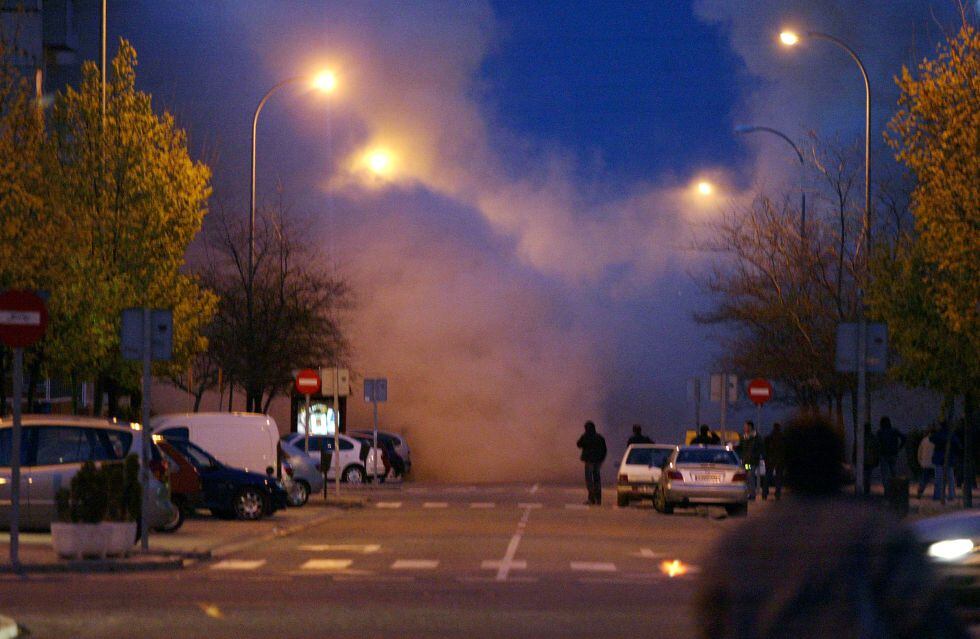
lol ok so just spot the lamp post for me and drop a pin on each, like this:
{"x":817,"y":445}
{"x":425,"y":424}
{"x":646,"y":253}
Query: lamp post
{"x":799,"y":155}
{"x":790,"y":38}
{"x":325,"y":82}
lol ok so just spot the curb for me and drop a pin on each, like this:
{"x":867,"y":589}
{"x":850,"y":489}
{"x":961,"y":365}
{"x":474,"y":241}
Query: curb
{"x":8,"y":628}
{"x":94,"y":566}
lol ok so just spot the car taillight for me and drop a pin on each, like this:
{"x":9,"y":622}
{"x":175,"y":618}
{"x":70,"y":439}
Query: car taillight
{"x":675,"y":475}
{"x":739,"y":476}
{"x":624,"y":479}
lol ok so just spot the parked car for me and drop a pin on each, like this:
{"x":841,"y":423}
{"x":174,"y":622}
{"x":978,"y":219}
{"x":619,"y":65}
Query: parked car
{"x":300,"y":474}
{"x":53,"y":448}
{"x":354,"y":460}
{"x":186,"y":487}
{"x":232,"y":492}
{"x":702,"y":475}
{"x":241,"y":440}
{"x":639,"y":472}
{"x":399,"y":443}
{"x":952,"y":543}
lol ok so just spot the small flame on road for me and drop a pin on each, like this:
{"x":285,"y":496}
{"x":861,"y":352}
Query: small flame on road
{"x":211,"y":610}
{"x":673,"y":568}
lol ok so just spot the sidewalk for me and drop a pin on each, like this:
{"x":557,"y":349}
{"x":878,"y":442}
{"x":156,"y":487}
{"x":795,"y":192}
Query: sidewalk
{"x":200,"y":538}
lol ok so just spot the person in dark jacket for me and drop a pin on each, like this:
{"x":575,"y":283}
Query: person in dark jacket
{"x":638,"y":437}
{"x":890,"y":442}
{"x":703,"y":437}
{"x":751,"y":451}
{"x":593,"y":447}
{"x":775,"y":462}
{"x":944,"y":456}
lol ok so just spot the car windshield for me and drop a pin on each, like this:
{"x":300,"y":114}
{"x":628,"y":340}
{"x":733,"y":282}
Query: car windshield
{"x":196,"y":455}
{"x":707,"y":456}
{"x":648,"y":456}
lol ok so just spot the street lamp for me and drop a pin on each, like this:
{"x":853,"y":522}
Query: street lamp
{"x":705,"y":188}
{"x":799,"y":155}
{"x":790,"y":38}
{"x":325,"y":82}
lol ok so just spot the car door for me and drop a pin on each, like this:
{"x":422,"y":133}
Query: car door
{"x":6,"y":494}
{"x":59,"y":453}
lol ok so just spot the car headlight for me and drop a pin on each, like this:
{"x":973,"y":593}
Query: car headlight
{"x":950,"y":549}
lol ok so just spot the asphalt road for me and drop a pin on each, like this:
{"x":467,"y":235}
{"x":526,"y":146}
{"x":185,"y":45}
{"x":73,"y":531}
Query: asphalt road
{"x":417,"y":561}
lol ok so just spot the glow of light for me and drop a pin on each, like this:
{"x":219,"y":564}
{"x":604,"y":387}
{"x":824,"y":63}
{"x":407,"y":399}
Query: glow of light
{"x":705,"y":188}
{"x":950,"y":549}
{"x":789,"y":38}
{"x":673,"y":568}
{"x":325,"y":81}
{"x":136,"y":426}
{"x":211,"y":610}
{"x":379,"y":161}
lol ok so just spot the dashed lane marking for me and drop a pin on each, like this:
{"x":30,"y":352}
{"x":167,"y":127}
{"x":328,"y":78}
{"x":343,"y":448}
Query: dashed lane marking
{"x":415,"y":564}
{"x":525,"y":505}
{"x":389,"y":504}
{"x":483,"y":504}
{"x":496,"y":564}
{"x":593,"y":566}
{"x":238,"y":564}
{"x":435,"y":504}
{"x":327,"y":564}
{"x":363,"y":549}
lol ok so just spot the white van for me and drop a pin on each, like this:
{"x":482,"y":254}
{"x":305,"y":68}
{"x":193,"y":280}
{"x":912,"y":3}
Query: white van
{"x":240,"y":440}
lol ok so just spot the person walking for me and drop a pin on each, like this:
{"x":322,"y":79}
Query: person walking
{"x":775,"y":461}
{"x":927,"y":472}
{"x":890,"y":443}
{"x":943,"y":456}
{"x":820,"y":564}
{"x":593,"y":447}
{"x":638,"y":437}
{"x":872,"y":456}
{"x":750,"y":450}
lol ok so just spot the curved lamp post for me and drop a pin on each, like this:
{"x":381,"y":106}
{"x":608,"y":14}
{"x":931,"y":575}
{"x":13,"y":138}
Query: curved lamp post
{"x":799,"y":155}
{"x":790,"y":38}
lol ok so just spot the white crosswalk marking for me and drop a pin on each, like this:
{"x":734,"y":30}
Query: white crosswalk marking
{"x":355,"y":548}
{"x":415,"y":564}
{"x":389,"y":504}
{"x":593,"y":566}
{"x":483,"y":504}
{"x":238,"y":564}
{"x":435,"y":504}
{"x":327,"y":564}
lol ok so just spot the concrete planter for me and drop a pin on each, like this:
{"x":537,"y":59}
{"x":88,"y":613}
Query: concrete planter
{"x":106,"y":539}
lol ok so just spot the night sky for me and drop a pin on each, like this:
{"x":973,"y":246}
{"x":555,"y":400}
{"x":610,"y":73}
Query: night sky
{"x":525,"y":265}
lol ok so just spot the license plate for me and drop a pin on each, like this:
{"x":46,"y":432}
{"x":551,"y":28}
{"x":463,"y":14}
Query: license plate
{"x":708,"y":479}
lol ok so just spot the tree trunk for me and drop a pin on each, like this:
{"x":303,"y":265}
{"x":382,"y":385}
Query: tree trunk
{"x":197,"y":400}
{"x":969,"y":471}
{"x":33,"y":374}
{"x":112,"y":390}
{"x":97,"y":387}
{"x":73,"y":378}
{"x":231,"y":394}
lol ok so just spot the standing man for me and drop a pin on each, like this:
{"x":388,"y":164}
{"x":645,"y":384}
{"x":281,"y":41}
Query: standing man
{"x":775,"y":461}
{"x":593,"y":447}
{"x":750,"y":450}
{"x":638,"y":437}
{"x":890,"y":442}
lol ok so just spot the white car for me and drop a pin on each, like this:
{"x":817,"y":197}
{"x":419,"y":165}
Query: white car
{"x":355,"y":462}
{"x":639,"y":472}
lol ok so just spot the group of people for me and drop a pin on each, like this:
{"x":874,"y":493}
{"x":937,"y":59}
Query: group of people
{"x":764,"y":458}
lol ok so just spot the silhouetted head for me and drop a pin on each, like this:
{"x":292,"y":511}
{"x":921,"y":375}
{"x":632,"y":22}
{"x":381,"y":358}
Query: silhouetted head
{"x":590,"y":427}
{"x":704,"y":429}
{"x":636,"y":429}
{"x":814,"y":455}
{"x":749,"y":427}
{"x":885,"y":423}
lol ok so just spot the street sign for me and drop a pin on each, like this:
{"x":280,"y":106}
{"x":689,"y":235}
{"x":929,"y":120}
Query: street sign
{"x":716,"y":384}
{"x":760,"y":391}
{"x":161,"y":334}
{"x":331,"y":378}
{"x":846,"y":360}
{"x":23,"y":318}
{"x":307,"y":382}
{"x":376,"y":390}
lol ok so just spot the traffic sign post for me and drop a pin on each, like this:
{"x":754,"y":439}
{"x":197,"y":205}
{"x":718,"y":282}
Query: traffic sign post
{"x":376,"y":390}
{"x":23,"y":320}
{"x":308,"y":383}
{"x":760,"y":392}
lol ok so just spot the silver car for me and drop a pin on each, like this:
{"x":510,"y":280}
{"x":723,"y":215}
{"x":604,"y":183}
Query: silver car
{"x":703,"y":475}
{"x":301,"y":476}
{"x":53,"y":448}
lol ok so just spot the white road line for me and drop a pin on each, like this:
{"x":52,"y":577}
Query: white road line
{"x":593,"y":566}
{"x":577,"y":506}
{"x":415,"y":564}
{"x":524,"y":505}
{"x":507,"y":563}
{"x":646,"y":553}
{"x":389,"y":504}
{"x":327,"y":564}
{"x":534,"y":488}
{"x":496,"y":564}
{"x":483,"y":504}
{"x":238,"y":564}
{"x":354,"y":548}
{"x":435,"y":504}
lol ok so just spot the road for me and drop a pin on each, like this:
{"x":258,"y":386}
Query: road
{"x":417,"y":561}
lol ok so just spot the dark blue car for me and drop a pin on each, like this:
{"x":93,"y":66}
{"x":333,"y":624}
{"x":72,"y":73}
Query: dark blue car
{"x":232,"y":492}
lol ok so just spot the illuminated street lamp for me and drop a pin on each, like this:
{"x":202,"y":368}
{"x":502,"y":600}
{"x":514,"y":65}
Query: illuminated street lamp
{"x":705,"y":188}
{"x":790,"y":38}
{"x":325,"y":82}
{"x":799,"y":155}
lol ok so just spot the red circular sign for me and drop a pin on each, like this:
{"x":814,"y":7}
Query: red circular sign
{"x":760,"y":391}
{"x":23,"y":318}
{"x":307,"y":382}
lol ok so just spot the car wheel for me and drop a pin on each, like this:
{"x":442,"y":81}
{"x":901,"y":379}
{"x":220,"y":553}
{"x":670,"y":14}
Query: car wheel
{"x":249,"y":504}
{"x":622,"y":501}
{"x":661,"y":504}
{"x":299,"y":492}
{"x":353,"y":475}
{"x":737,"y":510}
{"x":174,"y":524}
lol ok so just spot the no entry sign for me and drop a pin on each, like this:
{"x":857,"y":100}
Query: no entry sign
{"x":23,"y":318}
{"x":307,"y":382}
{"x":760,"y":391}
